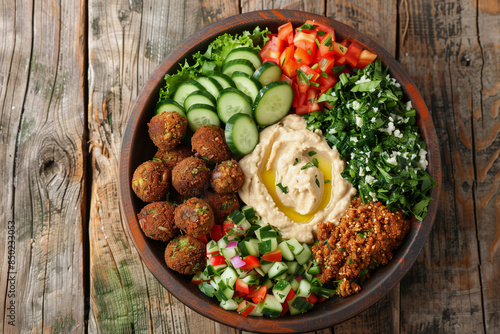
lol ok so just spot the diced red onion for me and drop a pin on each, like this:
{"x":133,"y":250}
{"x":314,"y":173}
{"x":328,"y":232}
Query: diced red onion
{"x":232,"y":244}
{"x":237,"y":262}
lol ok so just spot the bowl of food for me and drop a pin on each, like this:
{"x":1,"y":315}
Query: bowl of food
{"x":279,"y":172}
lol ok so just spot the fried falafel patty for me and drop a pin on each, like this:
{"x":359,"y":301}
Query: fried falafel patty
{"x":190,"y":177}
{"x":194,"y":217}
{"x":167,"y":129}
{"x":227,"y":177}
{"x":185,"y":255}
{"x":157,"y":221}
{"x":222,"y":204}
{"x":151,"y":181}
{"x":173,"y":156}
{"x":209,"y":143}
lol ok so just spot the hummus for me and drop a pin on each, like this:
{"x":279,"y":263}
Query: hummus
{"x":293,"y":181}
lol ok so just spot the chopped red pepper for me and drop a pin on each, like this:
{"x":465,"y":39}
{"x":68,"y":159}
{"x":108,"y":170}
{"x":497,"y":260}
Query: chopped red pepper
{"x":273,"y":256}
{"x":250,"y":262}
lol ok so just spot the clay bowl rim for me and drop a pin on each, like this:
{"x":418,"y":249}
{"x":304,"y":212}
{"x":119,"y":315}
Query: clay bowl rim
{"x":137,"y":149}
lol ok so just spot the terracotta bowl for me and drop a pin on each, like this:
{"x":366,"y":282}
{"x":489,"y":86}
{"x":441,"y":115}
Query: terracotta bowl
{"x":137,"y":148}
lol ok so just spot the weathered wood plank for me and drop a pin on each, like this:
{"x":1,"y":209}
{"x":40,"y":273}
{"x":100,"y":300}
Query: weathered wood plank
{"x":487,"y":162}
{"x":314,"y":6}
{"x":42,"y":131}
{"x":127,"y":40}
{"x":442,"y":292}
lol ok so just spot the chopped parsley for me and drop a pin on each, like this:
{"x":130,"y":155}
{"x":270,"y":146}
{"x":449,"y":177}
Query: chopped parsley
{"x":317,"y":181}
{"x":315,"y":162}
{"x":306,"y":166}
{"x":327,"y":181}
{"x":311,"y":153}
{"x":296,"y":161}
{"x":376,"y":131}
{"x":283,"y":189}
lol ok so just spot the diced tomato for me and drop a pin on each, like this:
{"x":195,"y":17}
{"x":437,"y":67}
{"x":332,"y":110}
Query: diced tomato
{"x":265,"y":53}
{"x":197,"y":281}
{"x":216,"y":232}
{"x":299,"y":278}
{"x":340,"y":61}
{"x":322,"y":299}
{"x":302,"y":57}
{"x":227,"y":226}
{"x":353,"y":53}
{"x":365,"y":58}
{"x":326,"y":45}
{"x":325,"y":83}
{"x":326,"y":64}
{"x":217,"y":259}
{"x":290,"y":295}
{"x":285,"y":32}
{"x":344,"y":42}
{"x":240,"y":294}
{"x":306,"y":41}
{"x":241,"y":286}
{"x":203,"y":238}
{"x":285,"y":307}
{"x":312,"y":298}
{"x":250,"y":262}
{"x":312,"y":97}
{"x":258,"y":294}
{"x":321,"y":27}
{"x":303,"y":109}
{"x":339,"y":50}
{"x":276,"y":48}
{"x":285,"y":78}
{"x":273,"y":256}
{"x":290,"y":67}
{"x":287,"y":54}
{"x":245,"y":308}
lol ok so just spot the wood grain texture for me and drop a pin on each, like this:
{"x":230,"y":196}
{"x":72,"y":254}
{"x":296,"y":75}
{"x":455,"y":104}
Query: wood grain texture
{"x":127,"y":40}
{"x":442,"y":292}
{"x":45,"y":161}
{"x":314,"y":6}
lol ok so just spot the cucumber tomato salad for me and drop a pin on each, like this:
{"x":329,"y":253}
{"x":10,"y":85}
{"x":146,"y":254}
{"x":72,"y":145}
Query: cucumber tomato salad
{"x":246,"y":82}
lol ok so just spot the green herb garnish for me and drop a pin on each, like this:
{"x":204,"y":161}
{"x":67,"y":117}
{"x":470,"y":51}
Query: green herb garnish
{"x":283,"y":189}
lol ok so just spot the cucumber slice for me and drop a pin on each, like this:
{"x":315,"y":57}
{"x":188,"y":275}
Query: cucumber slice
{"x":268,"y":72}
{"x":305,"y":255}
{"x":229,"y":305}
{"x":286,"y":253}
{"x":241,"y":134}
{"x":273,"y":103}
{"x":277,"y":269}
{"x":247,"y":84}
{"x":223,"y":80}
{"x":169,"y":105}
{"x":272,"y":307}
{"x":247,"y":53}
{"x":241,"y":65}
{"x":232,"y":101}
{"x":211,"y":85}
{"x":185,"y":89}
{"x":202,"y":114}
{"x":199,"y":97}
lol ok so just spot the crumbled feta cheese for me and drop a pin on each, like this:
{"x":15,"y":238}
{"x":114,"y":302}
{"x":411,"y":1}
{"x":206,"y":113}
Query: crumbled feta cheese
{"x":375,"y":109}
{"x":352,"y":155}
{"x":332,"y":131}
{"x":369,"y":179}
{"x":392,"y":161}
{"x":409,"y":105}
{"x":368,"y":169}
{"x":356,"y":105}
{"x":373,"y":119}
{"x":361,"y":172}
{"x":390,"y":128}
{"x":374,"y":196}
{"x":398,"y":134}
{"x":359,"y":121}
{"x":363,"y":79}
{"x":354,"y":139}
{"x":423,"y":163}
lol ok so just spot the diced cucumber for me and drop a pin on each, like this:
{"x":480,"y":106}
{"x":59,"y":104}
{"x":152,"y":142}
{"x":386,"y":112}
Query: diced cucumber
{"x":268,"y":283}
{"x":247,"y":84}
{"x":241,"y":134}
{"x":295,"y":284}
{"x":199,"y":97}
{"x":301,"y":304}
{"x":186,"y":88}
{"x":228,"y":253}
{"x":282,"y":276}
{"x":212,"y":247}
{"x":229,"y":305}
{"x":241,"y":272}
{"x":169,"y":105}
{"x":223,"y":80}
{"x":232,"y":101}
{"x":271,"y":307}
{"x":304,"y":289}
{"x":281,"y":290}
{"x":292,"y":267}
{"x":249,"y":212}
{"x":229,"y":277}
{"x":295,"y":246}
{"x":273,"y":103}
{"x":248,"y":248}
{"x":248,"y":53}
{"x":293,"y":310}
{"x":251,"y":280}
{"x":266,"y":267}
{"x":265,"y":246}
{"x":286,"y":253}
{"x":278,"y":268}
{"x":238,"y":65}
{"x":224,"y":292}
{"x":202,"y":114}
{"x":268,"y":72}
{"x":266,"y":232}
{"x":222,"y":243}
{"x":257,"y":311}
{"x":211,"y":85}
{"x":305,"y":255}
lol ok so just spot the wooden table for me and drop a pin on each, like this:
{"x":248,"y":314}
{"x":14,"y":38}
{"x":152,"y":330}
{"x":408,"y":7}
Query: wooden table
{"x":69,"y":74}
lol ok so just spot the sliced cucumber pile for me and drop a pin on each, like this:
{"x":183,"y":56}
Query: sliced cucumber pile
{"x":245,"y":86}
{"x":253,"y":271}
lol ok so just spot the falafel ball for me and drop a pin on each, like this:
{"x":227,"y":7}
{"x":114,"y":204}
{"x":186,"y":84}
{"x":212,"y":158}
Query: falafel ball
{"x":194,"y":217}
{"x":185,"y":255}
{"x":151,"y":181}
{"x":167,"y":129}
{"x":222,"y":204}
{"x":173,"y":156}
{"x":209,"y":143}
{"x":157,"y":221}
{"x":227,"y":177}
{"x":190,"y":177}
